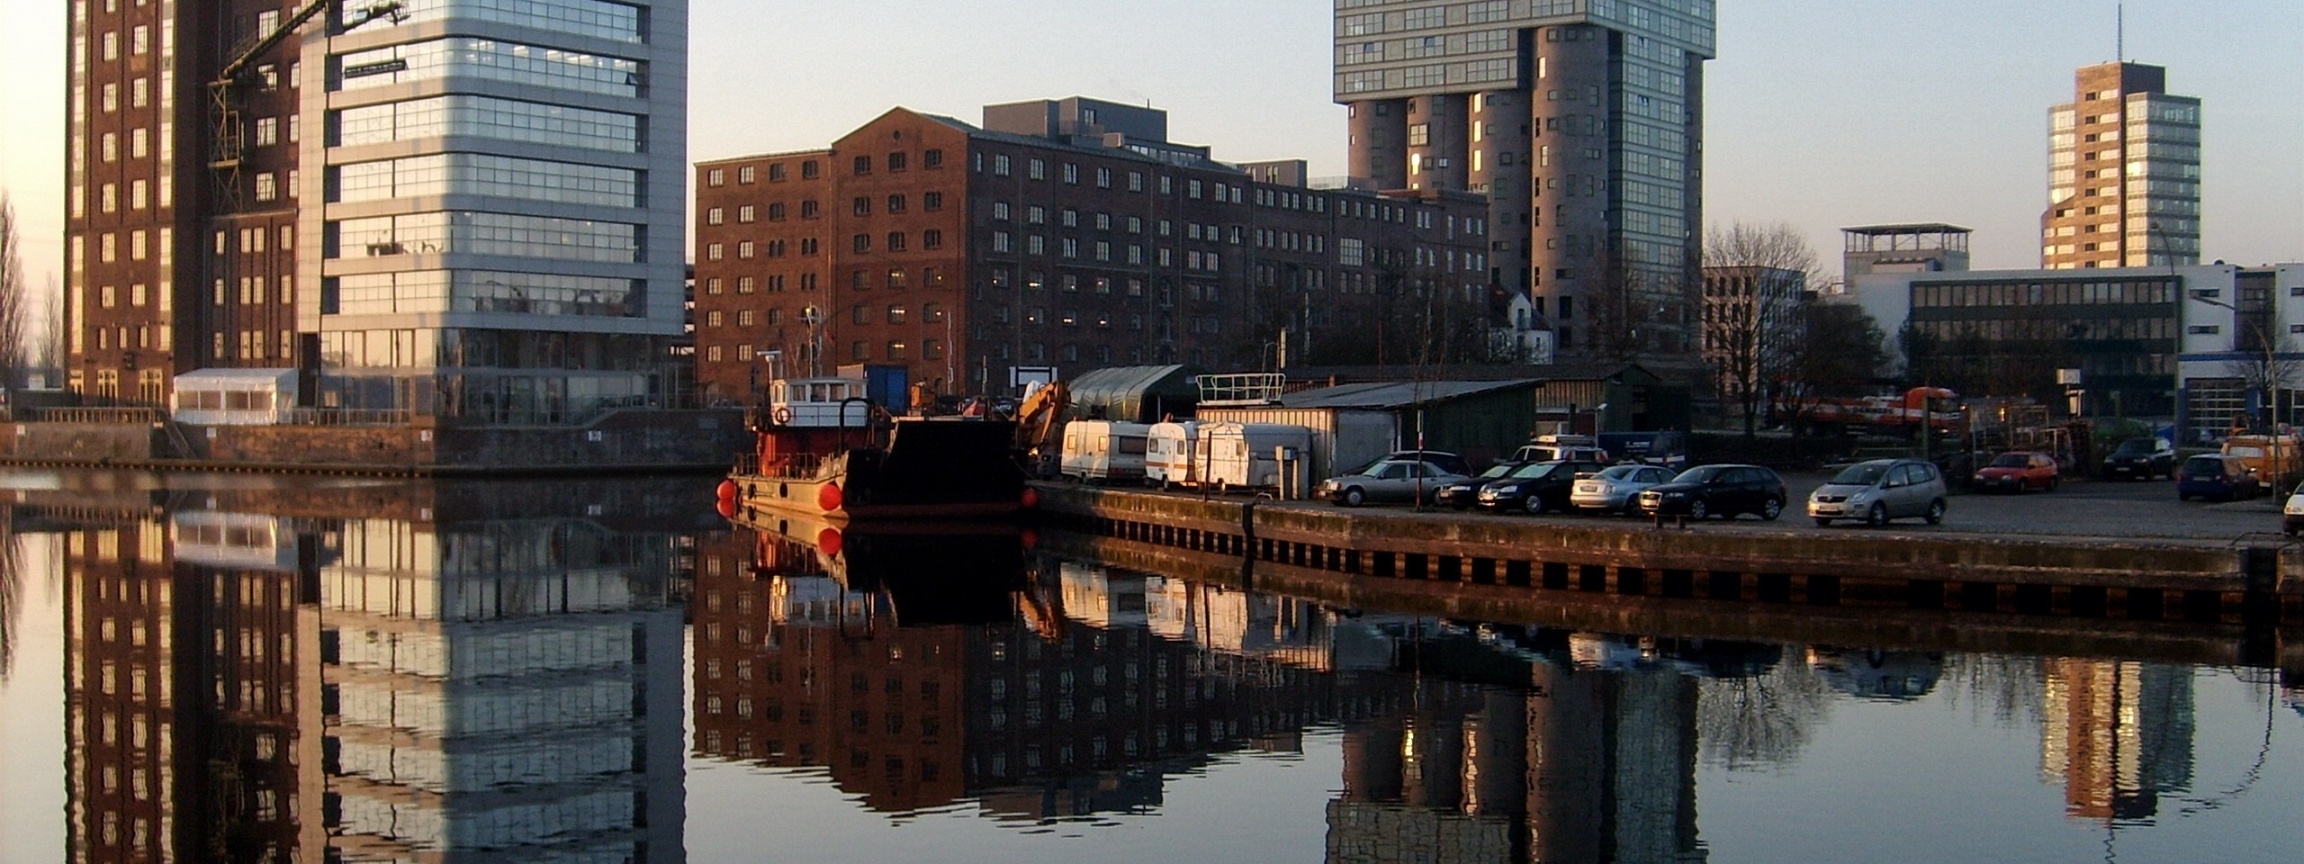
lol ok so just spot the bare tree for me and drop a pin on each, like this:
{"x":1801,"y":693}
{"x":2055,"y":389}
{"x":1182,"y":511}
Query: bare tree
{"x":48,"y":344}
{"x":1839,"y":350}
{"x":1760,"y":721}
{"x":2270,"y":374}
{"x":1754,"y":279}
{"x":15,"y":296}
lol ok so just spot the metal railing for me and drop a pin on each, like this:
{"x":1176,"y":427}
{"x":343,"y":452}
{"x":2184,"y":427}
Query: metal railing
{"x":1242,"y":388}
{"x":116,"y":416}
{"x":346,"y":417}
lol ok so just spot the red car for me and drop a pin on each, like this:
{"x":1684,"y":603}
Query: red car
{"x":2017,"y":471}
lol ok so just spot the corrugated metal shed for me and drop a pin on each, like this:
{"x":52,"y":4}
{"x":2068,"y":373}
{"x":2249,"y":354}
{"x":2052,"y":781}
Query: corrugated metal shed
{"x":1136,"y":394}
{"x":1354,"y":423}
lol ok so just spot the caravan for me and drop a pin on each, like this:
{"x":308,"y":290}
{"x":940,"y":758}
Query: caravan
{"x":1104,"y":450}
{"x":1246,"y":454}
{"x":1168,"y":452}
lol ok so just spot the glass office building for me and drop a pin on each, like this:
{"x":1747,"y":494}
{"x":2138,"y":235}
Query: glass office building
{"x":498,"y":231}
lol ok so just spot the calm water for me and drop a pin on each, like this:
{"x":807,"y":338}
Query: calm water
{"x":226,"y":669}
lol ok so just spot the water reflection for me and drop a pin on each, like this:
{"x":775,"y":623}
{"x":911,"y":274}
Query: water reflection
{"x":389,"y":673}
{"x":448,"y":672}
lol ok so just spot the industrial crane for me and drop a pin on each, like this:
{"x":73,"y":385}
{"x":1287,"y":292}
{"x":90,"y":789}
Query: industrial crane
{"x":225,"y":145}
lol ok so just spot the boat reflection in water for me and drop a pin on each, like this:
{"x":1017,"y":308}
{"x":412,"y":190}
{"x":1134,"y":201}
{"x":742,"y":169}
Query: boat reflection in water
{"x":375,"y":673}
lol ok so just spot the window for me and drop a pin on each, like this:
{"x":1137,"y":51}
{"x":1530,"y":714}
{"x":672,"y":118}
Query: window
{"x":896,"y":313}
{"x":861,"y":206}
{"x":776,"y":173}
{"x":809,"y":170}
{"x":1071,"y":174}
{"x":713,"y":216}
{"x":1000,"y":165}
{"x":1039,"y":170}
{"x":932,"y":239}
{"x":744,"y":174}
{"x":931,"y":201}
{"x":808,"y":210}
{"x":932,"y":159}
{"x":895,"y":241}
{"x":897,"y":162}
{"x":863,"y":165}
{"x":895,"y":203}
{"x":776,"y":212}
{"x":714,"y":177}
{"x":267,"y":187}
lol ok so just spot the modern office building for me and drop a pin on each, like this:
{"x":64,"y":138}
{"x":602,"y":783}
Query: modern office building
{"x":1583,"y":124}
{"x":2123,"y":173}
{"x":1063,"y":233}
{"x":2213,"y":347}
{"x":481,"y":221}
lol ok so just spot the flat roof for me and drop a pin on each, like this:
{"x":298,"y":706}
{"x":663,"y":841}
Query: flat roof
{"x":1910,"y":228}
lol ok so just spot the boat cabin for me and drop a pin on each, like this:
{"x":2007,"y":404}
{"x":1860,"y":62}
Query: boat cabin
{"x":819,"y":403}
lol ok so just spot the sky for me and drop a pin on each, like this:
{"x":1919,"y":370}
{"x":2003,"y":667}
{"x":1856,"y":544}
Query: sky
{"x":1819,"y":114}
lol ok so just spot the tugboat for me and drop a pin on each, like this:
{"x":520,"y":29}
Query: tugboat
{"x":822,"y":450}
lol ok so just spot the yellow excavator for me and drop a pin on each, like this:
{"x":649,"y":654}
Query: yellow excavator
{"x":1038,"y":419}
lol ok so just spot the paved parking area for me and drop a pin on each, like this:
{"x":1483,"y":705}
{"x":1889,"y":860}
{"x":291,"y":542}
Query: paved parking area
{"x":2133,"y":509}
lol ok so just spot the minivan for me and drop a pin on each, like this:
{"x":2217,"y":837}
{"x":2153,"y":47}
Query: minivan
{"x":1881,"y":490}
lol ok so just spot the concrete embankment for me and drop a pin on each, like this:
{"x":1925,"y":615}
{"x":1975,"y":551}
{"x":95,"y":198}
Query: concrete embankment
{"x":621,"y":441}
{"x":2252,"y":583}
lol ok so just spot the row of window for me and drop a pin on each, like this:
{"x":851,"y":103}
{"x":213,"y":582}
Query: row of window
{"x":489,"y":59}
{"x":778,"y":172}
{"x":478,"y":233}
{"x":862,"y":206}
{"x":462,"y":114}
{"x":485,"y":174}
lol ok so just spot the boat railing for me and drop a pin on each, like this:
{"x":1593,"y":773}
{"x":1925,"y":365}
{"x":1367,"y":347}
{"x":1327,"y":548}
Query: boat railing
{"x":795,"y":467}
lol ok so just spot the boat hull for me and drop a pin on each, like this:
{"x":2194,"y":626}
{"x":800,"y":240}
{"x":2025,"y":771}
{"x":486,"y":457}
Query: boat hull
{"x":931,"y":469}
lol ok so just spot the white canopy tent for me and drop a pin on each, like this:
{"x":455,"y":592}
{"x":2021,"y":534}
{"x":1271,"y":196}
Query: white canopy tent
{"x":234,"y":397}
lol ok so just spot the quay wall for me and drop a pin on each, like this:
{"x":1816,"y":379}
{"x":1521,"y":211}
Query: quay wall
{"x":2260,"y":581}
{"x":623,"y":440}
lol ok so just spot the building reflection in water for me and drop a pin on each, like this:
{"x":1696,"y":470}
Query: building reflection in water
{"x":2116,"y":735}
{"x":1090,"y":686}
{"x":387,"y":673}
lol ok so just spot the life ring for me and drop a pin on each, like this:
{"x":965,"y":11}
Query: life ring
{"x":782,"y":415}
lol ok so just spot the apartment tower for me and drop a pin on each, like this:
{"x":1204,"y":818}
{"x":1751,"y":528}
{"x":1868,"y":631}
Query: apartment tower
{"x":456,"y":208}
{"x":2123,"y":173}
{"x":1582,"y":120}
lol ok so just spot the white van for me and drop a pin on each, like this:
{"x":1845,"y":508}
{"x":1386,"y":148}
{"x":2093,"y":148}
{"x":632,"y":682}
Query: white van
{"x":1242,"y":454}
{"x":1104,"y":450}
{"x":1168,"y":454}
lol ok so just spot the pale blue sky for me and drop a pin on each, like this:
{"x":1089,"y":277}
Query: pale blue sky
{"x":1821,"y":113}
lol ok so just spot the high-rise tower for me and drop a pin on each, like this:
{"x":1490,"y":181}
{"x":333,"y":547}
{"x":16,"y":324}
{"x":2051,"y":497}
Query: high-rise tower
{"x":440,"y":207}
{"x":2123,"y":173}
{"x":1583,"y":122}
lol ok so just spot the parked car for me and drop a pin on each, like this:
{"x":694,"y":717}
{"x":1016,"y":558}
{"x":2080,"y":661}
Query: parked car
{"x":1537,"y":487}
{"x":2140,"y":458}
{"x":1616,"y":489}
{"x":1388,"y":480}
{"x":1461,"y":494}
{"x":2292,"y":512}
{"x":2215,"y":476}
{"x":2017,"y":471}
{"x":1441,"y":459}
{"x":1717,"y":490}
{"x":1881,"y":490}
{"x":1562,"y":448}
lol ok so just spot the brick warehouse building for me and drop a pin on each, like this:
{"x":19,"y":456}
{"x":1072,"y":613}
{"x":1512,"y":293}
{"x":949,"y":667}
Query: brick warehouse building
{"x":1064,"y":233}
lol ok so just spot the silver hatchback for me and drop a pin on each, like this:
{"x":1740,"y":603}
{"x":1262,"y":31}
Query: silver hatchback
{"x":1881,"y":490}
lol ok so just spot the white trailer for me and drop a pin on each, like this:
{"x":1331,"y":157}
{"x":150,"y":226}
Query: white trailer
{"x":1244,"y":454}
{"x":1104,"y":450}
{"x":1168,"y":454}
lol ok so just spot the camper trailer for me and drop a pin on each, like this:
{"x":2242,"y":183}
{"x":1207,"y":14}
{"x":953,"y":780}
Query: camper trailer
{"x":1103,"y":451}
{"x":1245,"y":454}
{"x":1168,"y":454}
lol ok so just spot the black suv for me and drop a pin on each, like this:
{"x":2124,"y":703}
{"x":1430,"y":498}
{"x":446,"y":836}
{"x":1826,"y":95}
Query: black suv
{"x":2142,"y":458}
{"x":1537,"y":487}
{"x":1717,"y":490}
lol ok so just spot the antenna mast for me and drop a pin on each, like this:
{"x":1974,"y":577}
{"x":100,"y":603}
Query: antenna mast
{"x":2120,"y":32}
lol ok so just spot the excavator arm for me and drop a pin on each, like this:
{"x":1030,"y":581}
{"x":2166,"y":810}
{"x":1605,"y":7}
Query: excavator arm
{"x":1040,"y":415}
